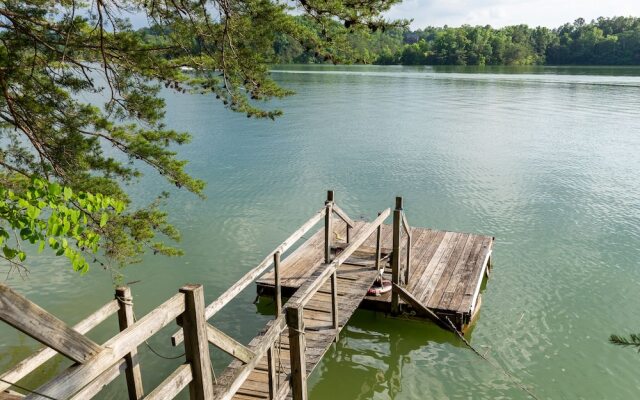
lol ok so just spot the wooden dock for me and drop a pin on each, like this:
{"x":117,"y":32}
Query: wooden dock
{"x":435,"y":275}
{"x":446,"y":269}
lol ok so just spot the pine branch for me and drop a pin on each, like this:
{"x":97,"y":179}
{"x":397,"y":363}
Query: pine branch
{"x":633,"y":340}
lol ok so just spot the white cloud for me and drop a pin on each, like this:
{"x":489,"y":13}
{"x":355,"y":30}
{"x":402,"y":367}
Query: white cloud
{"x":551,"y":13}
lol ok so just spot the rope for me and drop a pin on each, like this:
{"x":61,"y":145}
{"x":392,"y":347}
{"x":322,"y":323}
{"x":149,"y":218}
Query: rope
{"x":28,"y":390}
{"x":129,"y":301}
{"x":490,"y":361}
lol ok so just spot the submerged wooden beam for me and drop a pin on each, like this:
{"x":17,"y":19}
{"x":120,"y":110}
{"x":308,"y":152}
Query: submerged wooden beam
{"x":46,"y":328}
{"x":419,"y":307}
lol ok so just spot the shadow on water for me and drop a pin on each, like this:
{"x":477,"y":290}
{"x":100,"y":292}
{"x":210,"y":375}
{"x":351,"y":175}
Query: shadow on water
{"x":373,"y":351}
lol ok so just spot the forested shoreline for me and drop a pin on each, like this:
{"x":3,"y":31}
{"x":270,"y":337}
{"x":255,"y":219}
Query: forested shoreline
{"x":604,"y":41}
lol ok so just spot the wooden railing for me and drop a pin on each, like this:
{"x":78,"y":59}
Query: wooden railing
{"x":295,"y":306}
{"x":97,"y":365}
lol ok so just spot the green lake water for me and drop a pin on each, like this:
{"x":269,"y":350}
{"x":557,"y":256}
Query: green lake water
{"x":547,"y":160}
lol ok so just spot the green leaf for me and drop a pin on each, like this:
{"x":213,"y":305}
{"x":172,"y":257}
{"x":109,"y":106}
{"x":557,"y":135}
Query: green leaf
{"x":9,"y":252}
{"x":103,"y":219}
{"x":55,"y":189}
{"x":67,"y":193}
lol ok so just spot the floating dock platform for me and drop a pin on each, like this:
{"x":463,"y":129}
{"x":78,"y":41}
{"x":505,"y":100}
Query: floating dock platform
{"x":446,"y":270}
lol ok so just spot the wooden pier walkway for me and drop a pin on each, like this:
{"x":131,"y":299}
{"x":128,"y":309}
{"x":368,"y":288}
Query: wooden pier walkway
{"x":435,"y":275}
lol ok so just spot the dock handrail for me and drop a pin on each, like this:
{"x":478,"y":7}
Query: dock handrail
{"x":307,"y":290}
{"x":252,"y":275}
{"x":294,"y":308}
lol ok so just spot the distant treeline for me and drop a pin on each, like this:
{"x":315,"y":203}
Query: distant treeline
{"x":605,"y":41}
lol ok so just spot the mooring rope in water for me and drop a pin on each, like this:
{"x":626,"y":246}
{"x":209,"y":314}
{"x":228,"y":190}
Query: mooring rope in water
{"x":493,"y":363}
{"x":27,"y":390}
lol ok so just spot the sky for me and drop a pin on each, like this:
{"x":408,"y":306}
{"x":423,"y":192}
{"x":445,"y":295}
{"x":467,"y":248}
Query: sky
{"x":498,"y":13}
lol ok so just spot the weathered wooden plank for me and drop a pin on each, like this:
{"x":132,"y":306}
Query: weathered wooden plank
{"x":445,"y":269}
{"x":228,"y":344}
{"x":343,"y":215}
{"x":240,"y":374}
{"x":443,"y":246}
{"x":196,"y":344}
{"x":28,"y":317}
{"x":125,"y":320}
{"x":447,"y":285}
{"x":474,"y":280}
{"x":79,"y":375}
{"x":29,"y":364}
{"x":312,"y":285}
{"x":447,"y":256}
{"x":174,"y":384}
{"x":424,"y":257}
{"x":456,"y":300}
{"x":95,"y":386}
{"x":395,"y":255}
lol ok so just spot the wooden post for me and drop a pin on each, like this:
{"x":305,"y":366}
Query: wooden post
{"x":272,"y":372}
{"x":297,"y":345}
{"x":395,"y":255}
{"x":328,"y":227}
{"x":408,"y":266}
{"x":276,"y":271}
{"x":334,"y":301}
{"x":328,"y":231}
{"x":378,"y":245}
{"x":196,"y":345}
{"x":125,"y":320}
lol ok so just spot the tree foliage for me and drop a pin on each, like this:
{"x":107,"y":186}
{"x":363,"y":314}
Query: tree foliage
{"x":605,"y":41}
{"x":57,"y":54}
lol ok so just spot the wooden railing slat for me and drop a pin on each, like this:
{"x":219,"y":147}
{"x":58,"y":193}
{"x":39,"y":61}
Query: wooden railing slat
{"x":79,"y":375}
{"x":252,"y":275}
{"x":343,"y":216}
{"x":275,"y":327}
{"x":170,"y":387}
{"x":95,"y":386}
{"x":308,"y":289}
{"x":228,"y":344}
{"x":28,"y":317}
{"x":29,"y":364}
